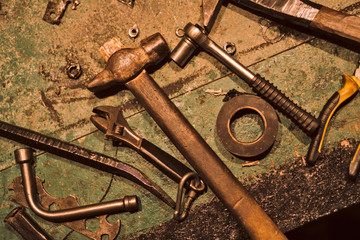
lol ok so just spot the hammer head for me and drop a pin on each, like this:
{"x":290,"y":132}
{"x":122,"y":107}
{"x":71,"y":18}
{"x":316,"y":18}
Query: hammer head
{"x":127,"y":63}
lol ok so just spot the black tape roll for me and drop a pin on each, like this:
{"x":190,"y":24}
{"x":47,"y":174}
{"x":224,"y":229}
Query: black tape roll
{"x":242,"y":103}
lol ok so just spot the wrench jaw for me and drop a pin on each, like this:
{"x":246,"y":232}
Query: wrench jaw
{"x":110,"y":121}
{"x":99,"y":122}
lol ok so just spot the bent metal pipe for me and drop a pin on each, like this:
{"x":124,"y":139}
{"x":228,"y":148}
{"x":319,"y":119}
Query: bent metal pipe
{"x":24,"y":157}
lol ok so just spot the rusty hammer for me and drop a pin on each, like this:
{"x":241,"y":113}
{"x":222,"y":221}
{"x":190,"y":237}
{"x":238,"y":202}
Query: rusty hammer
{"x":127,"y":66}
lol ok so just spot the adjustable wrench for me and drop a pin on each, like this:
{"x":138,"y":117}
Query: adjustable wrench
{"x":110,"y":121}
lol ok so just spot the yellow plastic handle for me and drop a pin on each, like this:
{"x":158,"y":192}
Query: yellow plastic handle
{"x":351,"y":86}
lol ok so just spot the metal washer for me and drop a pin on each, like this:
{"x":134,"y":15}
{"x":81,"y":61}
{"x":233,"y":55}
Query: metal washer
{"x":261,"y":107}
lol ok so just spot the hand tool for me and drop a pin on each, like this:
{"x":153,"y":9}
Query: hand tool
{"x":24,"y":157}
{"x":351,"y":86}
{"x":240,"y":104}
{"x":127,"y":66}
{"x":196,"y":37}
{"x":55,"y":10}
{"x":83,"y":156}
{"x":105,"y":228}
{"x":301,"y":13}
{"x":354,"y":167}
{"x":110,"y":121}
{"x":25,"y":225}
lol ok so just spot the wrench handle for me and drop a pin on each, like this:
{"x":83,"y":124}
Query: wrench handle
{"x":280,"y":101}
{"x":354,"y":166}
{"x":169,"y":165}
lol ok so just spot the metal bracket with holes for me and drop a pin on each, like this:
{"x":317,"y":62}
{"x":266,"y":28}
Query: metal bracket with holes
{"x":105,"y":228}
{"x":56,"y":8}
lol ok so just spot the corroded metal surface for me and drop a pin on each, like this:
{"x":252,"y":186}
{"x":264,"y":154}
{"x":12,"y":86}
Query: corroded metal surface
{"x":37,"y":94}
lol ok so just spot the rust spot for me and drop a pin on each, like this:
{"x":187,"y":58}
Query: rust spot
{"x":255,"y":48}
{"x":173,"y":88}
{"x":79,"y":123}
{"x":49,"y":105}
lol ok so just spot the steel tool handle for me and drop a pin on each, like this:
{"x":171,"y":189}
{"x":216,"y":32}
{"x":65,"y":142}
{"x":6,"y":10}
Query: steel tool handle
{"x":169,"y":165}
{"x":354,"y":166}
{"x":204,"y":160}
{"x":337,"y":23}
{"x":351,"y":86}
{"x":24,"y":157}
{"x":279,"y":100}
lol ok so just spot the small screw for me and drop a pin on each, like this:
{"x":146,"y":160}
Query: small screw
{"x":73,"y":70}
{"x":134,"y":31}
{"x":75,"y":4}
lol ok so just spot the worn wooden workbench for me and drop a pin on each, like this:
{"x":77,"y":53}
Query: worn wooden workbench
{"x":37,"y":94}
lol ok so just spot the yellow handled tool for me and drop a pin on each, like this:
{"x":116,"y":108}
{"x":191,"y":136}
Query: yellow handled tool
{"x":351,"y":86}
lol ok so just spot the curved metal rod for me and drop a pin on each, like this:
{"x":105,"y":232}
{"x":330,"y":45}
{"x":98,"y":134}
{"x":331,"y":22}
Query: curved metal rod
{"x":24,"y":157}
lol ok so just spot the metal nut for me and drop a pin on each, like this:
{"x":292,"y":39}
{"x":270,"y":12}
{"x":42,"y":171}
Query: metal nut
{"x":134,"y":31}
{"x":230,"y":48}
{"x":73,"y":70}
{"x":180,"y":32}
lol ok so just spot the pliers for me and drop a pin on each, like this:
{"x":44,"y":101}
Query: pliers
{"x":350,"y":88}
{"x":110,"y":121}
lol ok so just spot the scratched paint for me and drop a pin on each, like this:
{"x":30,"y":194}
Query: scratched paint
{"x":37,"y":94}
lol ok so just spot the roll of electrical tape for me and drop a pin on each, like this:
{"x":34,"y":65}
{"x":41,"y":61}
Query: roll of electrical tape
{"x":243,"y":103}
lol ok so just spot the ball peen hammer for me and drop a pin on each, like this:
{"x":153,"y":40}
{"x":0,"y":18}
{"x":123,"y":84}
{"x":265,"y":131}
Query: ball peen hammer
{"x":127,"y":66}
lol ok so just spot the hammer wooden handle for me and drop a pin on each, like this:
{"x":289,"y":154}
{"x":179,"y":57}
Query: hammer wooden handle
{"x":204,"y":160}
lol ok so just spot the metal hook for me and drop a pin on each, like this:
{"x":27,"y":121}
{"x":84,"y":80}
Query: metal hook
{"x":197,"y":186}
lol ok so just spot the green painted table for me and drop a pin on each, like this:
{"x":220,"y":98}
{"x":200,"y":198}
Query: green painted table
{"x":37,"y":94}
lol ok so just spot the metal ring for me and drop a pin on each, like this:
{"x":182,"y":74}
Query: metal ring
{"x":134,"y":31}
{"x":197,"y":184}
{"x":236,"y":105}
{"x":180,"y":32}
{"x":73,"y":70}
{"x":230,"y":48}
{"x":267,"y":24}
